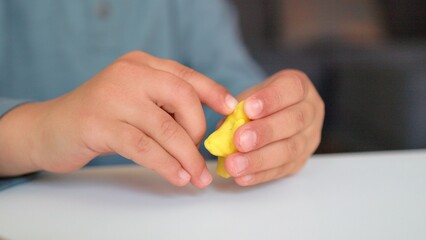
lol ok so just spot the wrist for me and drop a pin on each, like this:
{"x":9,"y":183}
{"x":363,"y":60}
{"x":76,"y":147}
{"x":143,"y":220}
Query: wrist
{"x":18,"y":138}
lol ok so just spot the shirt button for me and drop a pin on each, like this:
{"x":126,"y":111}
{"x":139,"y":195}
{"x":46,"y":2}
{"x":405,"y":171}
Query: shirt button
{"x":104,"y":10}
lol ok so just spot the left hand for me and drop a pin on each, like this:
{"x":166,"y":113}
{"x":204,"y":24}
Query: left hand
{"x":287,"y":114}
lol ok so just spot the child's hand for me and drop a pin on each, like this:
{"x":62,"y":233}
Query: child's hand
{"x":144,"y":108}
{"x":288,"y":115}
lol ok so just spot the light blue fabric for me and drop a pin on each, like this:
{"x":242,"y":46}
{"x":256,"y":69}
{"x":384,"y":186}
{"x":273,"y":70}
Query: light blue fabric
{"x":49,"y":47}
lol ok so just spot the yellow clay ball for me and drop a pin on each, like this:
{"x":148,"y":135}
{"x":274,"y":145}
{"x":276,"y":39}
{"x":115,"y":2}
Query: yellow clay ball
{"x":221,"y":142}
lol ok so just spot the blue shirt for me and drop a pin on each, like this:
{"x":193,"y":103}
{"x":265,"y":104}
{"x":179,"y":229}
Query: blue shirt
{"x":49,"y":47}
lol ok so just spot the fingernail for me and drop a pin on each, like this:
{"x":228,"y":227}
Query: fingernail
{"x":231,"y":102}
{"x":184,"y":176}
{"x":253,"y":107}
{"x":206,"y":177}
{"x":240,"y":164}
{"x":247,"y":178}
{"x":248,"y":140}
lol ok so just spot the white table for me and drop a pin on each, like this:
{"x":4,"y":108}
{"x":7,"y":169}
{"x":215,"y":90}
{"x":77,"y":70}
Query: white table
{"x":337,"y":196}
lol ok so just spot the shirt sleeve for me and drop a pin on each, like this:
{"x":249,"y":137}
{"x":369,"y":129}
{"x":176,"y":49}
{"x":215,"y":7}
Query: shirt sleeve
{"x":211,"y":44}
{"x":6,"y":182}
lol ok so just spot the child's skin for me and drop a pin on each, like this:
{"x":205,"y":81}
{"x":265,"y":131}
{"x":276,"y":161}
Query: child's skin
{"x":287,"y":114}
{"x":149,"y":110}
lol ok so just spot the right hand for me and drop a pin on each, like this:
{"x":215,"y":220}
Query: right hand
{"x":144,"y":108}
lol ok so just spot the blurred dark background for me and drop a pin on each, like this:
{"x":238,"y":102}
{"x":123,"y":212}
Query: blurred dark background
{"x":366,"y":57}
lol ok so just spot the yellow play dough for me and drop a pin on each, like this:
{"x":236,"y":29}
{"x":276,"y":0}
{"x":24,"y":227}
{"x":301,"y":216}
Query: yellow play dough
{"x":221,"y":142}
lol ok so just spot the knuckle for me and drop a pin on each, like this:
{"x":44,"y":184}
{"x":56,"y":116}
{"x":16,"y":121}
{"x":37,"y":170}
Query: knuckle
{"x":277,"y":96}
{"x":292,"y":148}
{"x":182,"y":89}
{"x":186,"y":72}
{"x":125,"y":66}
{"x":298,"y":87}
{"x":168,"y":129}
{"x":299,"y":119}
{"x":273,"y":96}
{"x":131,"y":62}
{"x":180,"y":70}
{"x":143,"y":144}
{"x":135,"y":54}
{"x":297,"y":82}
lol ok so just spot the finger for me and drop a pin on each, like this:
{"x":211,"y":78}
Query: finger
{"x":161,"y":127}
{"x":315,"y":130}
{"x":284,"y":89}
{"x":268,"y":157}
{"x":272,"y":174}
{"x":131,"y":143}
{"x":179,"y":98}
{"x":277,"y":126}
{"x":210,"y":92}
{"x":313,"y":133}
